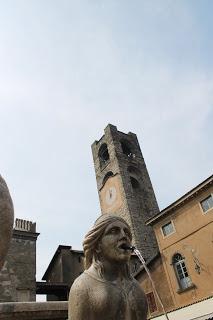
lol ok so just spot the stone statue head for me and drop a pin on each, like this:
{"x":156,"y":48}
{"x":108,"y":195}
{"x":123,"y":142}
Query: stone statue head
{"x":104,"y":241}
{"x":6,"y":220}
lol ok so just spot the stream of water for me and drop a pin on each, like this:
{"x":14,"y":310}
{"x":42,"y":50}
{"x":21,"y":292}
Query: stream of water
{"x":137,"y":252}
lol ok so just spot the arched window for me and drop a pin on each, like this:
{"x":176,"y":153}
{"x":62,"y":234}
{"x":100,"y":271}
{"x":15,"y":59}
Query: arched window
{"x":127,"y":149}
{"x":135,"y":184}
{"x":107,"y":175}
{"x":181,"y":271}
{"x":103,"y":154}
{"x":135,"y":180}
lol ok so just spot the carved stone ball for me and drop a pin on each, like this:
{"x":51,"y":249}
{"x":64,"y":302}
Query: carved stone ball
{"x":6,"y":220}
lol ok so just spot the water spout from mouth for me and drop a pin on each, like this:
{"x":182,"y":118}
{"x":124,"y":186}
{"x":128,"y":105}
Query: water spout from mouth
{"x":141,"y":258}
{"x":126,"y":247}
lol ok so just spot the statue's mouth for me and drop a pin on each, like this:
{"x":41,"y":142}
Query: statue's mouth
{"x":125,"y":246}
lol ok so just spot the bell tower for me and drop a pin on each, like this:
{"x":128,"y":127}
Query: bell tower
{"x":124,"y":186}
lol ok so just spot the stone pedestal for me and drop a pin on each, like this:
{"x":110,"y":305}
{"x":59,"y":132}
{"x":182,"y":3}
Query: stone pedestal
{"x":6,"y":220}
{"x":34,"y":311}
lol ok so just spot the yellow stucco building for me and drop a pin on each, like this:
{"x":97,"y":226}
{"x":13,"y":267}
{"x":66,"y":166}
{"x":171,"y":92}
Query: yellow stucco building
{"x":184,"y":232}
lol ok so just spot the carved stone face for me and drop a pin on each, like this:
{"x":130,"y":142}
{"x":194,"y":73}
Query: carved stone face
{"x":116,"y":234}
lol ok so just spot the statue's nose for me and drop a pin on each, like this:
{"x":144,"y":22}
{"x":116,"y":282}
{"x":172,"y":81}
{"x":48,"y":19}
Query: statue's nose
{"x":123,"y":234}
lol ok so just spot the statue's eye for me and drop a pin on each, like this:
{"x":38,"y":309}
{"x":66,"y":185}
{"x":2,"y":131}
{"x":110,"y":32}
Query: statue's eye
{"x":114,"y":230}
{"x":128,"y":233}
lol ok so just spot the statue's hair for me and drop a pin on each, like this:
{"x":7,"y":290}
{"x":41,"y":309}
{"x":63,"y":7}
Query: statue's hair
{"x":92,"y":238}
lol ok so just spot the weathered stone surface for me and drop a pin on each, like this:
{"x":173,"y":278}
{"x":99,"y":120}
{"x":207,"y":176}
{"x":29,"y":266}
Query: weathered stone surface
{"x":106,"y":290}
{"x":33,"y":311}
{"x":18,"y":274}
{"x":6,"y":220}
{"x":126,"y":172}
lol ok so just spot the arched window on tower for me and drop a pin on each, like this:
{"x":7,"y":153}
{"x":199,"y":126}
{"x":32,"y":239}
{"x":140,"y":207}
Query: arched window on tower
{"x":135,"y":181}
{"x":135,"y":184}
{"x":127,"y":149}
{"x":181,"y":272}
{"x":103,"y":154}
{"x":107,"y":175}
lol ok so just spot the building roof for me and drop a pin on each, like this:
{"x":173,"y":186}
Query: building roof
{"x":58,"y":251}
{"x":181,"y":201}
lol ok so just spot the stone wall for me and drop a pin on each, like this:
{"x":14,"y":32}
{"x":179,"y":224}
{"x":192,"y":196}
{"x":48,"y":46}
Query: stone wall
{"x":18,"y":275}
{"x":34,"y":311}
{"x":125,"y":164}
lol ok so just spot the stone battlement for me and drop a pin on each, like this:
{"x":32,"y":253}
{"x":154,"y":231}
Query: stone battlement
{"x":24,"y":225}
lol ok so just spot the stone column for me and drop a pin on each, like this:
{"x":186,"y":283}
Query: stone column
{"x":6,"y":220}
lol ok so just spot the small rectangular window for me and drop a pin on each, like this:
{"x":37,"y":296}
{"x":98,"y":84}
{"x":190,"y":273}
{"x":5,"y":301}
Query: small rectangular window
{"x":167,"y":228}
{"x":207,"y":203}
{"x":151,"y":302}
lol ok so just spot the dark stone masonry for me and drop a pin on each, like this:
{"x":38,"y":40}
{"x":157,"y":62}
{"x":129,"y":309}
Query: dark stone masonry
{"x":119,"y":163}
{"x":18,"y":274}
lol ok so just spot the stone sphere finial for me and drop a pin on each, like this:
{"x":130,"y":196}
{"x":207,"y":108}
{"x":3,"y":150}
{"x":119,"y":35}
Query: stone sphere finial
{"x":6,"y":220}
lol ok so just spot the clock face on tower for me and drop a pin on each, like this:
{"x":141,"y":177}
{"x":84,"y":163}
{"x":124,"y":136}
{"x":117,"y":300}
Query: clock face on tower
{"x":110,"y":195}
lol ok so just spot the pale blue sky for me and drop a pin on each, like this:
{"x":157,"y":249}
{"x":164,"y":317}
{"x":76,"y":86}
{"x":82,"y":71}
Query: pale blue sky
{"x":67,"y":69}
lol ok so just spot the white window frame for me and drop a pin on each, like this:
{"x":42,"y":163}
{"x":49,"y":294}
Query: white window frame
{"x":180,"y":269}
{"x":166,"y":236}
{"x":205,"y":212}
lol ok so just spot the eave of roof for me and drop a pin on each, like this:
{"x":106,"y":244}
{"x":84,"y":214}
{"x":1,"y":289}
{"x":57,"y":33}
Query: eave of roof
{"x":60,"y":247}
{"x":58,"y":251}
{"x":181,"y":201}
{"x":22,"y":234}
{"x":77,"y":251}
